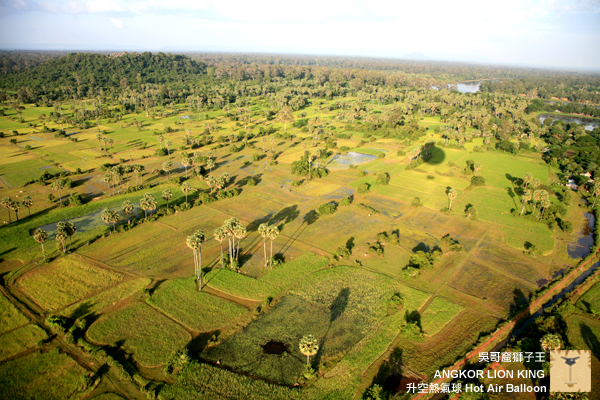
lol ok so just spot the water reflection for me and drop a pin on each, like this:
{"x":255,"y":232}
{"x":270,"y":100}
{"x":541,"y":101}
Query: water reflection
{"x":590,"y":124}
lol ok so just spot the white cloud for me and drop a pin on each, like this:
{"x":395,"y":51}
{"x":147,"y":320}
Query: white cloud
{"x":117,"y":22}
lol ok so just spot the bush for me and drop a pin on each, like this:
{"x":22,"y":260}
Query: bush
{"x":160,"y":152}
{"x":364,"y":188}
{"x":383,"y":178}
{"x":75,"y":200}
{"x":346,"y":201}
{"x":327,"y":208}
{"x":381,"y":155}
{"x":477,"y":181}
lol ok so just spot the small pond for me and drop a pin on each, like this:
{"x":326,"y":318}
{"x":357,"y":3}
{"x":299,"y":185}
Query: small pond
{"x":589,"y":123}
{"x":350,"y":158}
{"x":581,"y":247}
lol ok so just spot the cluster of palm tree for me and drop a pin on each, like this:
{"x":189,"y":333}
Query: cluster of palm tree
{"x":110,"y":217}
{"x":15,"y":206}
{"x":218,"y":183}
{"x":539,"y":199}
{"x":102,"y":139}
{"x":231,"y":230}
{"x":65,"y":230}
{"x":271,"y":232}
{"x":420,"y":150}
{"x":148,"y":203}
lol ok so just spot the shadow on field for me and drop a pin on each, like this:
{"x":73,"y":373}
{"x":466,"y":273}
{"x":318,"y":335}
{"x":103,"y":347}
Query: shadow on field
{"x":437,"y":156}
{"x":590,"y":338}
{"x":336,"y":309}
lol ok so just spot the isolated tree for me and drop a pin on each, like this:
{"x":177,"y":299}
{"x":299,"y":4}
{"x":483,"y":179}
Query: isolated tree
{"x":99,"y":138}
{"x":6,"y":201}
{"x":15,"y":207}
{"x":317,"y":154}
{"x":186,"y":188}
{"x":210,"y":164}
{"x":58,"y":185}
{"x":477,"y":168}
{"x":166,"y":195}
{"x":110,"y":217}
{"x":272,"y":232}
{"x":28,"y":202}
{"x":138,"y":169}
{"x":263,"y":229}
{"x":451,"y":196}
{"x":168,"y":145}
{"x":309,"y":347}
{"x":40,"y":236}
{"x":160,"y":139}
{"x":273,"y":141}
{"x":194,"y":242}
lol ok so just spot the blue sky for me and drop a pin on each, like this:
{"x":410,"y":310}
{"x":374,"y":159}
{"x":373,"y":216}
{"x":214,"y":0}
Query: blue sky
{"x":554,"y":33}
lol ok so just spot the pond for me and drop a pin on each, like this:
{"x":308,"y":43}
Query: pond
{"x":350,"y":158}
{"x":581,"y":247}
{"x":589,"y":123}
{"x":468,"y":87}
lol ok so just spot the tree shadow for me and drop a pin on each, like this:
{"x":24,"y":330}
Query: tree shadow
{"x":389,"y":376}
{"x":436,"y":156}
{"x":590,"y":339}
{"x":421,"y":247}
{"x":512,"y":195}
{"x":336,"y":309}
{"x":520,"y":302}
{"x":350,"y":243}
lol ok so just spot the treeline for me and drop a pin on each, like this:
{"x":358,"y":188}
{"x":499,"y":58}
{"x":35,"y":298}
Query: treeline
{"x":16,"y":60}
{"x":576,"y":87}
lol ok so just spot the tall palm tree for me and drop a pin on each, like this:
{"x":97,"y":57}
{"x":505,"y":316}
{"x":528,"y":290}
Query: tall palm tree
{"x":6,"y":201}
{"x":527,"y":197}
{"x":317,"y":154}
{"x":147,"y":203}
{"x":263,"y":229}
{"x":110,"y":217}
{"x":127,"y":208}
{"x":194,"y":242}
{"x":61,"y":237}
{"x":107,"y":178}
{"x":160,"y":139}
{"x":15,"y":207}
{"x":210,"y":164}
{"x":527,"y":179}
{"x":272,"y":232}
{"x":168,"y":145}
{"x":477,"y":168}
{"x":138,"y":169}
{"x":99,"y":138}
{"x":186,"y":188}
{"x":40,"y":236}
{"x":551,"y":341}
{"x":309,"y":347}
{"x":28,"y":202}
{"x":69,"y":229}
{"x":240,"y":233}
{"x":57,"y":185}
{"x":166,"y":195}
{"x":220,"y":235}
{"x":167,"y":165}
{"x":185,"y":162}
{"x":451,"y":196}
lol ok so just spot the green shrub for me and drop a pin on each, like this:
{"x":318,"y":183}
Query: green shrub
{"x":327,"y":208}
{"x":364,"y":188}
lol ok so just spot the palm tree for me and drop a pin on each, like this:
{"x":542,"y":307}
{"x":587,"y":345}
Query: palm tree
{"x":6,"y":201}
{"x":272,"y":232}
{"x":167,"y":165}
{"x":527,"y":197}
{"x":57,"y":185}
{"x":109,"y":216}
{"x":166,"y":195}
{"x":239,"y":231}
{"x":220,"y":235}
{"x":451,"y":196}
{"x":15,"y":207}
{"x":168,"y":145}
{"x":194,"y":242}
{"x":273,"y":141}
{"x":138,"y":169}
{"x":69,"y":229}
{"x":160,"y":139}
{"x":28,"y":202}
{"x":317,"y":154}
{"x":551,"y":341}
{"x":263,"y":229}
{"x":186,"y":162}
{"x":210,"y":164}
{"x":40,"y":236}
{"x":186,"y":188}
{"x":477,"y":168}
{"x":527,"y":179}
{"x":147,"y":203}
{"x":61,"y":236}
{"x":99,"y":137}
{"x":309,"y":347}
{"x":127,"y":208}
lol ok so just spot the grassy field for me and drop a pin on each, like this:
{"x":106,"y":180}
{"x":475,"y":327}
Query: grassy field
{"x":10,"y":316}
{"x":48,"y":375}
{"x":338,"y":306}
{"x":152,"y":338}
{"x":591,"y":299}
{"x":198,"y":311}
{"x":19,"y":340}
{"x":71,"y":280}
{"x":437,"y":314}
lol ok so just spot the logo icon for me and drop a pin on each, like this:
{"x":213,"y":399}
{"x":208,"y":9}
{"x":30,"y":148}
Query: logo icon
{"x":570,"y":370}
